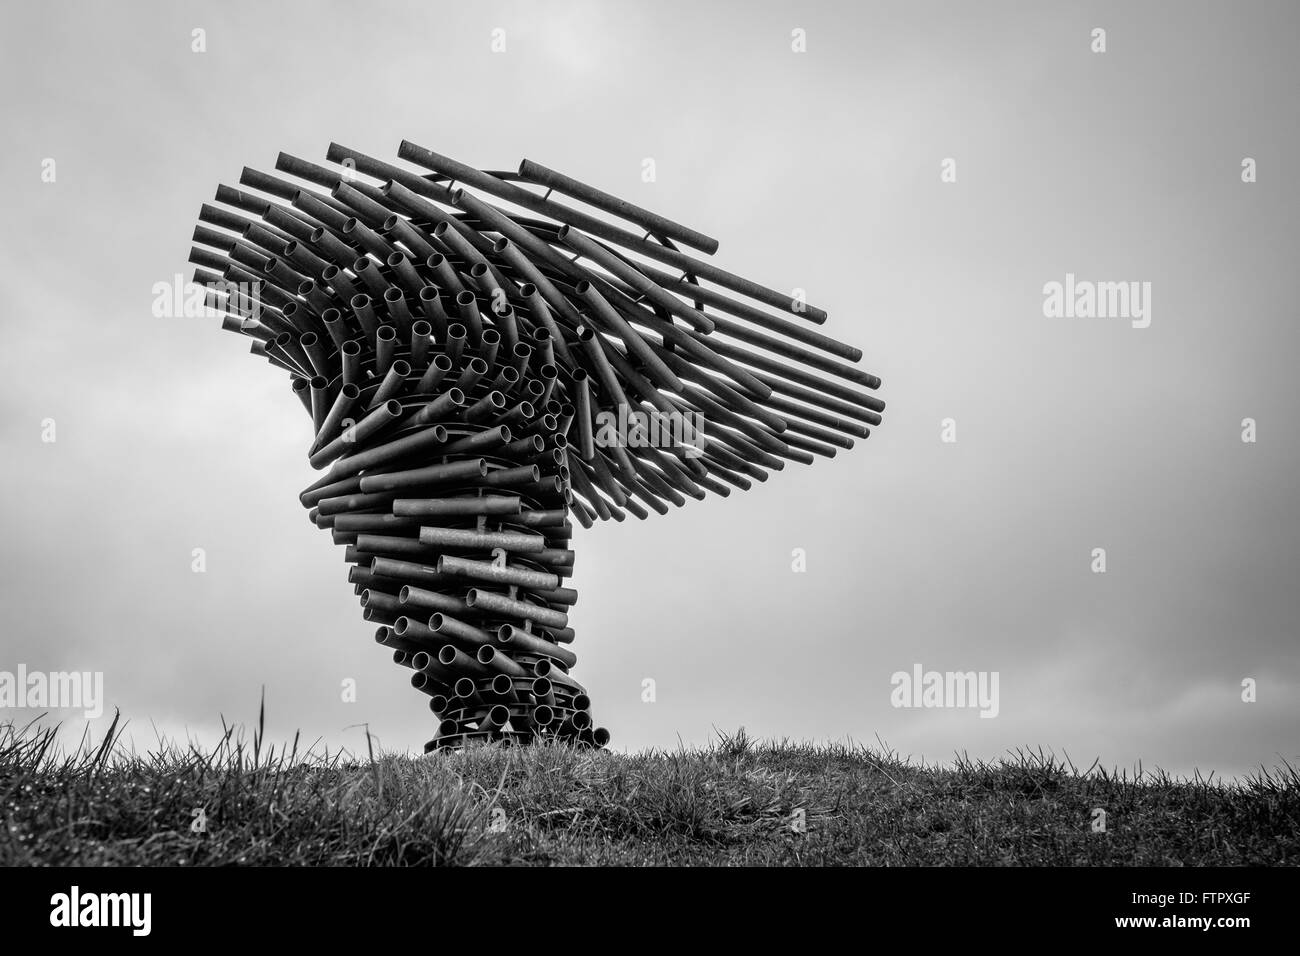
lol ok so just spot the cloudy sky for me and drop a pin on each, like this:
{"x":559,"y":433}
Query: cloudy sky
{"x":819,"y":169}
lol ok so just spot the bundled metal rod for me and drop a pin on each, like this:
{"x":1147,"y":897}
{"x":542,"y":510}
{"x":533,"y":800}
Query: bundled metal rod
{"x":647,"y":220}
{"x":476,"y":376}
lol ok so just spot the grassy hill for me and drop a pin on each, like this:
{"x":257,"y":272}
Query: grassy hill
{"x":736,"y":802}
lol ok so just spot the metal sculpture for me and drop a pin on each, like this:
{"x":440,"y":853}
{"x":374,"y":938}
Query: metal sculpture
{"x":475,"y":375}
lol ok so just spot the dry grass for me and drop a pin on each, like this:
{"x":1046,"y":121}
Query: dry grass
{"x":734,"y":802}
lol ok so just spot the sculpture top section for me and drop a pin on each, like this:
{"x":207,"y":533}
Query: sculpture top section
{"x":670,"y":376}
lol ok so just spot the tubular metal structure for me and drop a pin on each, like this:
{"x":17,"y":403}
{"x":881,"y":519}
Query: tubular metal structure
{"x":476,"y":375}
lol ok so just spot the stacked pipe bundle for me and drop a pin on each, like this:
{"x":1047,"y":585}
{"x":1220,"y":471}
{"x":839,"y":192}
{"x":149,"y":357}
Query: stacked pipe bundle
{"x":463,"y":359}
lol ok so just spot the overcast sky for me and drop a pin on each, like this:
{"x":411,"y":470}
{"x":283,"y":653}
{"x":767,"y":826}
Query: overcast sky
{"x":819,"y":169}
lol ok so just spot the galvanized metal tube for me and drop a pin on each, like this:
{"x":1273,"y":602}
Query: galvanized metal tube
{"x":335,"y":327}
{"x":508,"y":323}
{"x":340,"y":504}
{"x":501,"y":574}
{"x":431,"y":305}
{"x":311,"y":172}
{"x":705,"y":296}
{"x":304,"y":260}
{"x":528,"y":445}
{"x":355,"y":523}
{"x":490,"y":656}
{"x":455,"y":341}
{"x":385,"y":171}
{"x":385,"y":348}
{"x":223,"y":218}
{"x":507,"y":380}
{"x":449,"y":231}
{"x":582,"y":402}
{"x":647,"y":220}
{"x":481,"y":540}
{"x":485,"y":281}
{"x":496,"y":719}
{"x":447,"y":276}
{"x":543,"y":691}
{"x":418,"y":477}
{"x":378,"y":419}
{"x":332,"y":246}
{"x":437,"y":370}
{"x":253,"y":233}
{"x":474,"y":370}
{"x":364,"y":268}
{"x":516,"y":638}
{"x":381,"y":602}
{"x":552,"y":671}
{"x":424,"y":440}
{"x":462,"y":240}
{"x":425,"y":682}
{"x":453,"y":657}
{"x":366,"y":208}
{"x":577,"y":722}
{"x":509,"y":477}
{"x":407,"y":570}
{"x":320,"y":400}
{"x":637,"y":280}
{"x":249,"y":202}
{"x":405,"y":272}
{"x":409,"y":629}
{"x":487,"y":407}
{"x":333,"y":423}
{"x":446,"y":405}
{"x":393,"y":383}
{"x":541,"y":309}
{"x":557,"y":595}
{"x":490,"y":439}
{"x":467,"y":309}
{"x":414,"y":597}
{"x":659,"y":372}
{"x":515,"y":246}
{"x":485,"y":505}
{"x":302,"y":388}
{"x":334,"y":277}
{"x":320,"y":210}
{"x":451,"y":628}
{"x":399,"y":313}
{"x":466,"y":690}
{"x":510,"y":607}
{"x":789,"y":373}
{"x":542,"y":519}
{"x":356,"y":231}
{"x":401,"y":230}
{"x":489,"y":343}
{"x":328,"y":486}
{"x":364,"y":310}
{"x":420,"y":344}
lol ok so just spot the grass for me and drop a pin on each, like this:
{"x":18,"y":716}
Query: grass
{"x":732,"y":803}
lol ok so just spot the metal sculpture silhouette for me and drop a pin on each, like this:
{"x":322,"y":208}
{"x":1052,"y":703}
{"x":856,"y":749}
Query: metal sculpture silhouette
{"x":476,"y":375}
